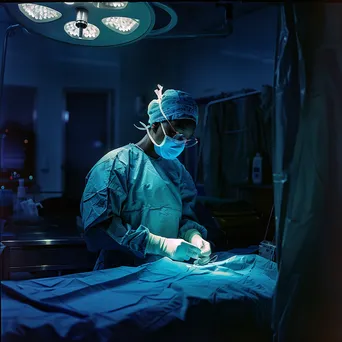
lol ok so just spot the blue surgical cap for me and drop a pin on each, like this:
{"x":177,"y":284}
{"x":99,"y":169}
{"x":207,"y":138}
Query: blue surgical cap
{"x":176,"y":105}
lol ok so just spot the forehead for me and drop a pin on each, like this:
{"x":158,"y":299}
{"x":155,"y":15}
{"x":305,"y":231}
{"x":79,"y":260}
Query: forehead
{"x":184,"y":125}
{"x":186,"y":128}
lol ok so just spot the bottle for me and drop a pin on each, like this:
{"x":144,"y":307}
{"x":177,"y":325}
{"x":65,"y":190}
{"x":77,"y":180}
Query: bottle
{"x":21,"y":193}
{"x":257,"y":169}
{"x":21,"y":196}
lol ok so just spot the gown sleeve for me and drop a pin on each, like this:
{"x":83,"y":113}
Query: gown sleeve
{"x":102,"y":200}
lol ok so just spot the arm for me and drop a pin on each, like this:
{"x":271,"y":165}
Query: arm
{"x":104,"y":194}
{"x":189,"y":225}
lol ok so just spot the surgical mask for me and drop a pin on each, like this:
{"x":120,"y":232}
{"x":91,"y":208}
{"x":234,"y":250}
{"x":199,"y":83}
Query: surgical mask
{"x":169,"y":148}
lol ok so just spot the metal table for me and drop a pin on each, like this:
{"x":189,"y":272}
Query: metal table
{"x":48,"y":247}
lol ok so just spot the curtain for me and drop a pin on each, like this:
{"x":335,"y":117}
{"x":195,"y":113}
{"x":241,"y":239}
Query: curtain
{"x":230,"y":140}
{"x":308,"y":166}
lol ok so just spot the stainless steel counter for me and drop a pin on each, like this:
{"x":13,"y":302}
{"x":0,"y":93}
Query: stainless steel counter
{"x":53,"y":245}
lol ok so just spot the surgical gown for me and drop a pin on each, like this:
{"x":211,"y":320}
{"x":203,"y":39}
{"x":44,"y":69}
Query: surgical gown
{"x":129,"y":194}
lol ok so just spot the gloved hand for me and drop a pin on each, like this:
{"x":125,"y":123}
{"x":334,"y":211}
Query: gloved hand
{"x":175,"y":249}
{"x":203,"y":245}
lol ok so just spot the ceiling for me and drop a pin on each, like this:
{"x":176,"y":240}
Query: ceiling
{"x":206,"y":17}
{"x":244,"y":8}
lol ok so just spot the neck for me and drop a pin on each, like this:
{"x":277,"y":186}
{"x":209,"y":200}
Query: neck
{"x":148,"y":147}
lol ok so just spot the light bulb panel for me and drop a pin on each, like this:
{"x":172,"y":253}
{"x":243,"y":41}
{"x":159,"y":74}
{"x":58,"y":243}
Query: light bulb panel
{"x":91,"y":32}
{"x":121,"y":25}
{"x":111,"y":5}
{"x":140,"y":14}
{"x":39,"y":13}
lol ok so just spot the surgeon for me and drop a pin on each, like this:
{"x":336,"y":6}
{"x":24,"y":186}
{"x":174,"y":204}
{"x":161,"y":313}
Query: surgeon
{"x":138,"y":202}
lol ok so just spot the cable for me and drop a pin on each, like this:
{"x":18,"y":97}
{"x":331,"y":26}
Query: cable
{"x":269,"y":221}
{"x":9,"y":29}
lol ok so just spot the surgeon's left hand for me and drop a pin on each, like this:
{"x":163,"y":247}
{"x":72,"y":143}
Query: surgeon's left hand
{"x":203,"y":245}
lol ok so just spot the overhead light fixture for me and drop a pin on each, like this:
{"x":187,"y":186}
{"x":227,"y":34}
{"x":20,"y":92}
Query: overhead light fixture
{"x":86,"y":23}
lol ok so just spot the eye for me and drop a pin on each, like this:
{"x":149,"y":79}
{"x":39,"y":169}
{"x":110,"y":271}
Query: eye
{"x":179,"y":136}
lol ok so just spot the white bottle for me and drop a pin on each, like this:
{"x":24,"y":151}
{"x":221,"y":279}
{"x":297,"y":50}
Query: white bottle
{"x":257,"y":169}
{"x":21,"y":196}
{"x":21,"y":193}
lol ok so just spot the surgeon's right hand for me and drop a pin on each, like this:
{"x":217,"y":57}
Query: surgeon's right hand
{"x":175,"y":249}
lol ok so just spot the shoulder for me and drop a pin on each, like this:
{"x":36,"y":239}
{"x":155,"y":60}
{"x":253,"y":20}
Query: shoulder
{"x":183,"y":172}
{"x":117,"y":159}
{"x":177,"y":164}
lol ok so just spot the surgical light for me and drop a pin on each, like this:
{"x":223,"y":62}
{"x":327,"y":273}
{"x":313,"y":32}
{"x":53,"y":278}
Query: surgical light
{"x":86,"y":23}
{"x":112,"y":5}
{"x":38,"y":13}
{"x":121,"y":24}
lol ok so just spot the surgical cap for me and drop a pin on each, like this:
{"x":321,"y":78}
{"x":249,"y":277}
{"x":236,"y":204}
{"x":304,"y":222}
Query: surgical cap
{"x":176,"y":105}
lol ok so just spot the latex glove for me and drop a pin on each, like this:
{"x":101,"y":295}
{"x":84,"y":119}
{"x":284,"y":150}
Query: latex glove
{"x":175,"y":249}
{"x":203,"y":245}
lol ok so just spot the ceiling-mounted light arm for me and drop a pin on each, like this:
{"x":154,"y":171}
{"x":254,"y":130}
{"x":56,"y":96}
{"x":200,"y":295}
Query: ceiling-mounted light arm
{"x":170,"y":25}
{"x":228,"y":12}
{"x":9,"y":31}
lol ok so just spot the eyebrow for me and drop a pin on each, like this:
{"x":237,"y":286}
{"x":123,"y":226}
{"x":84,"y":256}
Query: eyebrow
{"x":181,"y":130}
{"x":191,"y":136}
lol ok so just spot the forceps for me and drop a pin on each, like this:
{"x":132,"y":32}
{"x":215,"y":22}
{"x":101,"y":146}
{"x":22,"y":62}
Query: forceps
{"x":205,"y":261}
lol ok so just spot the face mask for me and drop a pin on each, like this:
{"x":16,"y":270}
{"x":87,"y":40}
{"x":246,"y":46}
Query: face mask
{"x":169,"y":148}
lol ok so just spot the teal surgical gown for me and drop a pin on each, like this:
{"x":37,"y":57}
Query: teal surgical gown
{"x":129,"y":194}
